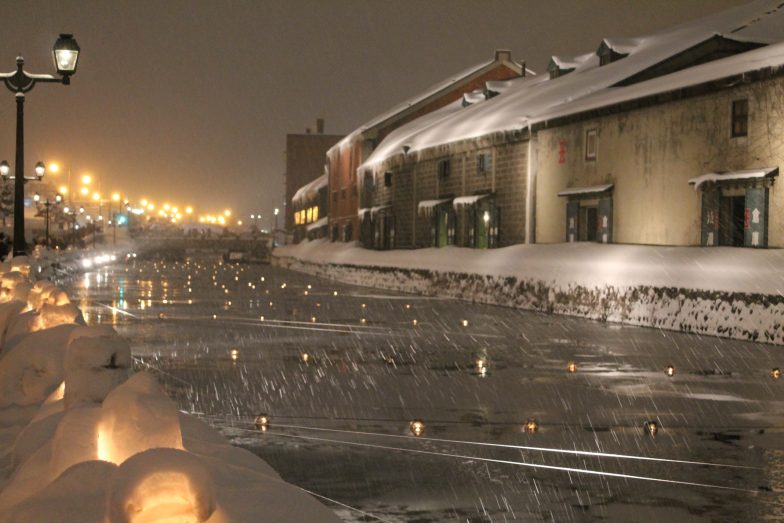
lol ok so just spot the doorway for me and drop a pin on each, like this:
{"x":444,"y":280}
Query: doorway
{"x":732,"y":221}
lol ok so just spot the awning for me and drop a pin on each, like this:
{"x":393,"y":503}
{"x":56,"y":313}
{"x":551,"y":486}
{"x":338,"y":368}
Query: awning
{"x":425,"y":207}
{"x":586,"y":191}
{"x":317,"y":224}
{"x":467,"y":200}
{"x":376,"y":210}
{"x":750,"y":174}
{"x":361,"y":213}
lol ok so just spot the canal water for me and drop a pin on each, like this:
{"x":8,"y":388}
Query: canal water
{"x":527,"y":417}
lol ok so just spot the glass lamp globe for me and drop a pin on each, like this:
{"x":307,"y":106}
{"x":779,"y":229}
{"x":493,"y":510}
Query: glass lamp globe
{"x":66,"y":55}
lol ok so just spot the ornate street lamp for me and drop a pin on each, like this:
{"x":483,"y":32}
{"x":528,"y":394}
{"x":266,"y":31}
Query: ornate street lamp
{"x":66,"y":56}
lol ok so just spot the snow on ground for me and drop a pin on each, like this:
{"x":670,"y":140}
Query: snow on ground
{"x":723,"y":291}
{"x":83,"y":438}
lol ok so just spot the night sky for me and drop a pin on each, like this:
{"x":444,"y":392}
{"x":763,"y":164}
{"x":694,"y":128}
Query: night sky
{"x":190,"y":102}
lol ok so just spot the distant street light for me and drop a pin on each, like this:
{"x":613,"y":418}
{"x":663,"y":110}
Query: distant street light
{"x":57,"y":200}
{"x":66,"y":55}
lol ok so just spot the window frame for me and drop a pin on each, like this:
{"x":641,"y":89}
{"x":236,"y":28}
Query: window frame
{"x":591,"y":135}
{"x":739,"y":118}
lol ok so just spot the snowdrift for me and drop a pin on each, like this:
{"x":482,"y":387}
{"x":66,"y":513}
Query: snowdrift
{"x":84,"y":438}
{"x":721,"y":291}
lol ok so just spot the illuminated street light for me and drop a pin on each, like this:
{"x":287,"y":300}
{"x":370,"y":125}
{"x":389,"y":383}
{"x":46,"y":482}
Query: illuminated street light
{"x":66,"y":55}
{"x":85,"y":191}
{"x":116,"y":197}
{"x":87,"y":179}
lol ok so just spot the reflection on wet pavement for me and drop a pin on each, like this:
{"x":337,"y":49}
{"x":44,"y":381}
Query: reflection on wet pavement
{"x":342,"y":371}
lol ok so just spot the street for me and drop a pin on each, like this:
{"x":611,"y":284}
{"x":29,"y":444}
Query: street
{"x":511,"y":430}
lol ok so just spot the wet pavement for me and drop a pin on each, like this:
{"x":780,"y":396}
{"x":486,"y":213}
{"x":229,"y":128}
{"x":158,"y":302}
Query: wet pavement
{"x":341,"y":371}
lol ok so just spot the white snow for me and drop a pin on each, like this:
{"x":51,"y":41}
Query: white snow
{"x":426,"y":206}
{"x":594,"y":189}
{"x":531,"y":100}
{"x":83,"y":439}
{"x":749,"y":174}
{"x":718,"y":291}
{"x":310,"y":190}
{"x":318,"y":223}
{"x":467,"y":200}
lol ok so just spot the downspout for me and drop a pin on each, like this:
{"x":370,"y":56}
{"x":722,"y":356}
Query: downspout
{"x":530,"y":189}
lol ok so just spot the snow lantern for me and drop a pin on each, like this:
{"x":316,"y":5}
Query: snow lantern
{"x":97,"y":360}
{"x":531,"y":426}
{"x":138,"y":415}
{"x":775,"y":373}
{"x":161,"y":484}
{"x":417,"y":427}
{"x":651,"y":428}
{"x":669,"y":370}
{"x":571,"y":367}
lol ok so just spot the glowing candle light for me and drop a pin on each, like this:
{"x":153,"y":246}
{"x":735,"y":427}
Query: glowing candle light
{"x":305,"y":357}
{"x":531,"y":426}
{"x":414,"y":323}
{"x":262,"y":422}
{"x":775,"y":373}
{"x":651,"y":428}
{"x":417,"y":427}
{"x":464,"y":323}
{"x":669,"y":371}
{"x":362,"y":320}
{"x":312,"y":319}
{"x":571,"y":367}
{"x":234,"y":354}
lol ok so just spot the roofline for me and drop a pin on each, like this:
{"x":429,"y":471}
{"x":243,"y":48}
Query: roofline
{"x":719,"y":84}
{"x":518,"y":68}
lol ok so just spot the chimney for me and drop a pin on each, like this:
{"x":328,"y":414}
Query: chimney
{"x":503,"y":55}
{"x":320,"y":125}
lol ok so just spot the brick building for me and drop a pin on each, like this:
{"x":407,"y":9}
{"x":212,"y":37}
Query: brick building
{"x":609,"y":146}
{"x":345,"y":186}
{"x":305,"y":155}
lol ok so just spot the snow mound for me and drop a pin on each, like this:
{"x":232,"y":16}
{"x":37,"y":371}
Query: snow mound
{"x":97,"y":360}
{"x":137,"y":415}
{"x":161,"y":485}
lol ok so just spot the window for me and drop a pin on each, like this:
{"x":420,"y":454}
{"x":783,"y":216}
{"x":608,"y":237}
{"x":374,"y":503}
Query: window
{"x":315,"y":213}
{"x":740,"y":118}
{"x":296,"y":218}
{"x":387,"y":179}
{"x":309,"y":215}
{"x":483,"y":163}
{"x":443,"y":168}
{"x":591,"y":144}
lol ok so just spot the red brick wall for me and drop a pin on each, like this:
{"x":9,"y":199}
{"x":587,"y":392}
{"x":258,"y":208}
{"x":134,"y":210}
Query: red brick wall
{"x":344,"y":162}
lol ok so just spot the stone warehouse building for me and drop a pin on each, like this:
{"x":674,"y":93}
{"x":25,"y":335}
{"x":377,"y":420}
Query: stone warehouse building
{"x":310,"y":205}
{"x":670,"y":139}
{"x":346,"y":187}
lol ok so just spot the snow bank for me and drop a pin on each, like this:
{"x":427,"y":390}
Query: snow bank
{"x":107,"y":445}
{"x":735,"y":293}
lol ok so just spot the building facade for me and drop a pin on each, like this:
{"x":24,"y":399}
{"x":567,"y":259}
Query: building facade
{"x":305,"y":155}
{"x":347,"y":193}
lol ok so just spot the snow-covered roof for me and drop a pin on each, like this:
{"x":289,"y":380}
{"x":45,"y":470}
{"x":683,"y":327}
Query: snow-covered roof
{"x":318,"y":223}
{"x":429,"y":93}
{"x":460,"y":201}
{"x":622,"y":45}
{"x":748,"y":174}
{"x":372,"y":210}
{"x":311,"y":189}
{"x":473,"y":97}
{"x":533,"y":99}
{"x":573,"y":62}
{"x":593,"y":189}
{"x":498,"y":86}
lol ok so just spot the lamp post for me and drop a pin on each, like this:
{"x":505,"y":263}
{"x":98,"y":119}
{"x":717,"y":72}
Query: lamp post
{"x":66,"y":54}
{"x":275,"y":228}
{"x":57,"y":199}
{"x":5,"y":173}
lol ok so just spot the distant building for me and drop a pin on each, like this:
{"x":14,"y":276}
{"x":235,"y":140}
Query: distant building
{"x":305,"y":157}
{"x":351,"y":196}
{"x":310,"y":205}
